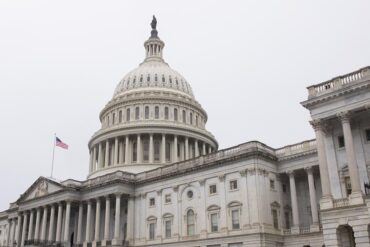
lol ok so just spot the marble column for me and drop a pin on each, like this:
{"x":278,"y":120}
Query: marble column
{"x":116,"y":150}
{"x":79,"y":223}
{"x":139,"y":154}
{"x":24,"y":228}
{"x":127,"y":150}
{"x":30,"y":226}
{"x":107,"y":148}
{"x":196,"y":147}
{"x":326,"y":201}
{"x":18,"y":230}
{"x":68,"y":217}
{"x":186,"y":148}
{"x":43,"y":224}
{"x":311,"y":187}
{"x":37,"y":226}
{"x":91,"y":160}
{"x":107,"y":218}
{"x":51,"y":223}
{"x":59,"y":223}
{"x":204,"y":152}
{"x":88,"y":222}
{"x":163,"y":149}
{"x":100,"y":156}
{"x":97,"y":220}
{"x":151,"y":149}
{"x":351,"y":155}
{"x":130,"y":219}
{"x":175,"y":151}
{"x":8,"y":234}
{"x":117,"y":220}
{"x":294,"y":201}
{"x":94,"y":159}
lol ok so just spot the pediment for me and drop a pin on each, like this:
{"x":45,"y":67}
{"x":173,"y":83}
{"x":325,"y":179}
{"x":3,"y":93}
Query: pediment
{"x":41,"y":187}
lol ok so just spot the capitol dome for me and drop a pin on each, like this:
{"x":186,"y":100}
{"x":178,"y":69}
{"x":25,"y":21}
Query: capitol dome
{"x":152,"y":120}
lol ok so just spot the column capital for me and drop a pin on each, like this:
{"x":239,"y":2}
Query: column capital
{"x":221,"y":177}
{"x":243,"y":173}
{"x":344,"y":116}
{"x":308,"y":169}
{"x":290,"y":173}
{"x":317,"y":124}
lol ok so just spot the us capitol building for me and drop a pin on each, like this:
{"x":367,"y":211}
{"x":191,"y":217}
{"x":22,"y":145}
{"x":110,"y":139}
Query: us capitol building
{"x":157,"y":178}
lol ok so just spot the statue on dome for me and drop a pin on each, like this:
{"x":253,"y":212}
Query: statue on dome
{"x":153,"y":24}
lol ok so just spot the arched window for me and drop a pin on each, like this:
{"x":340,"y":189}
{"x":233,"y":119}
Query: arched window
{"x":128,"y":114}
{"x":156,"y":112}
{"x":113,"y":118}
{"x":137,"y":113}
{"x":196,"y":120}
{"x":134,"y":152}
{"x":120,"y":116}
{"x":175,"y":117}
{"x":155,"y":77}
{"x":183,"y":116}
{"x":148,"y":78}
{"x":141,"y":78}
{"x":190,"y":222}
{"x":157,"y":147}
{"x":166,"y":113}
{"x":108,"y":123}
{"x":146,"y":112}
{"x":168,"y":151}
{"x":163,"y":79}
{"x":146,"y":151}
{"x":191,"y":118}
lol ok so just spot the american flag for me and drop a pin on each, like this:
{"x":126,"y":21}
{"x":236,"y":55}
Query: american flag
{"x":59,"y":143}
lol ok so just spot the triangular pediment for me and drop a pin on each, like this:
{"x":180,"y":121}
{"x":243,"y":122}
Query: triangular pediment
{"x":41,"y":187}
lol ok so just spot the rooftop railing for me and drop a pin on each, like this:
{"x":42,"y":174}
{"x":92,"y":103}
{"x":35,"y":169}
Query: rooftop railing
{"x":337,"y":82}
{"x":301,"y":147}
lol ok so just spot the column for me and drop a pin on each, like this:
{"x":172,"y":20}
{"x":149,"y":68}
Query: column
{"x":139,"y":153}
{"x":209,"y":149}
{"x":196,"y":148}
{"x":117,"y":220}
{"x":66,"y":225}
{"x":163,"y":155}
{"x":18,"y":230}
{"x":94,"y":159}
{"x":37,"y":227}
{"x":223,"y":211}
{"x":121,"y":151}
{"x":79,"y":223}
{"x":326,"y":201}
{"x":43,"y":224}
{"x":59,"y":222}
{"x":24,"y":228}
{"x":130,"y":219}
{"x":51,"y":224}
{"x":350,"y":152}
{"x":204,"y":149}
{"x":30,"y":226}
{"x":91,"y":161}
{"x":311,"y":187}
{"x":11,"y":237}
{"x":175,"y":151}
{"x":100,"y":156}
{"x":186,"y":148}
{"x":97,"y":220}
{"x":116,"y":151}
{"x":151,"y":149}
{"x":88,"y":221}
{"x":9,"y":230}
{"x":126,"y":150}
{"x":294,"y":201}
{"x":106,"y":163}
{"x":107,"y":218}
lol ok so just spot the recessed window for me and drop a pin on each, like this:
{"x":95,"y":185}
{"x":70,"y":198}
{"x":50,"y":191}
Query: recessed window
{"x":156,"y":77}
{"x":151,"y":231}
{"x":146,"y":151}
{"x":183,"y":116}
{"x":156,"y":112}
{"x":137,"y":113}
{"x":168,"y":151}
{"x":341,"y":143}
{"x":190,"y":222}
{"x":284,"y":188}
{"x":196,"y":120}
{"x":152,"y":202}
{"x":272,"y":184}
{"x":287,"y":220}
{"x":113,"y":118}
{"x":235,"y":219}
{"x":128,"y":114}
{"x":146,"y":112}
{"x":163,"y":79}
{"x":233,"y":184}
{"x":190,"y":194}
{"x":191,"y":118}
{"x":212,"y":189}
{"x":166,"y":114}
{"x":275,"y":218}
{"x":148,"y":78}
{"x":175,"y":117}
{"x":367,"y":133}
{"x":214,"y":222}
{"x":157,"y":147}
{"x":134,"y":152}
{"x":167,"y":228}
{"x":120,"y":116}
{"x":167,"y":198}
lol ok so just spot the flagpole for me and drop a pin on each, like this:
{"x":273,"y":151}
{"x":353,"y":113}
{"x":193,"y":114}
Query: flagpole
{"x":52,"y":161}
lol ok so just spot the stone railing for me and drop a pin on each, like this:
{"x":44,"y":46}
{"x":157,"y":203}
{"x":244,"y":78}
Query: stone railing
{"x":302,"y":230}
{"x":301,"y":147}
{"x":337,"y":82}
{"x":338,"y":203}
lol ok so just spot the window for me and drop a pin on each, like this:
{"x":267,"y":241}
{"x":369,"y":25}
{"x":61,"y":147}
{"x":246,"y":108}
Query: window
{"x":284,"y":188}
{"x":152,"y":202}
{"x":212,"y":189}
{"x":137,"y":113}
{"x":341,"y":143}
{"x":141,"y":78}
{"x":191,"y":118}
{"x":113,"y":118}
{"x":166,"y":113}
{"x":156,"y":150}
{"x":367,"y":134}
{"x":156,"y":112}
{"x":190,"y":223}
{"x":134,"y":152}
{"x":146,"y":112}
{"x":128,"y":114}
{"x":175,"y":117}
{"x":155,"y":77}
{"x":190,"y":194}
{"x":148,"y":78}
{"x":272,"y":184}
{"x":167,"y":198}
{"x":235,"y":219}
{"x":146,"y":151}
{"x":233,"y":184}
{"x":287,"y":220}
{"x":108,"y":121}
{"x":120,"y":116}
{"x":167,"y":224}
{"x":348,"y":185}
{"x":196,"y":120}
{"x":183,"y":116}
{"x":168,"y":151}
{"x":163,"y":79}
{"x":214,"y":222}
{"x":275,"y":218}
{"x":151,"y":231}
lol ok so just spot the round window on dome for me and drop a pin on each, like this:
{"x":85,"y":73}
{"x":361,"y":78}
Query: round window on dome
{"x":190,"y":194}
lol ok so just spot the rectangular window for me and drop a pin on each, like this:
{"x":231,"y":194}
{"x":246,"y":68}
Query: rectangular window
{"x":287,"y":220}
{"x":367,"y":133}
{"x":152,"y":202}
{"x":151,"y":231}
{"x":168,"y":228}
{"x":167,"y":198}
{"x":128,"y":114}
{"x":166,"y":113}
{"x":183,"y":116}
{"x":146,"y":112}
{"x":275,"y":218}
{"x":284,"y":188}
{"x":212,"y":189}
{"x":272,"y":184}
{"x":341,"y":143}
{"x":233,"y":184}
{"x":235,"y":219}
{"x":214,"y":222}
{"x":156,"y":112}
{"x":113,"y":118}
{"x":137,"y":113}
{"x":175,"y":117}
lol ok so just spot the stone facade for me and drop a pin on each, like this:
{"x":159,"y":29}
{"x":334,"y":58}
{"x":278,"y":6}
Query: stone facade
{"x":156,"y":177}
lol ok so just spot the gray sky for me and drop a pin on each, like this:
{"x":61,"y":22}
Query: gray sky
{"x":249,"y":63}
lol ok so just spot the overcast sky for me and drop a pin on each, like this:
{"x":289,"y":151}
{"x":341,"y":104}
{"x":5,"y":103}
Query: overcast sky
{"x":249,"y":63}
